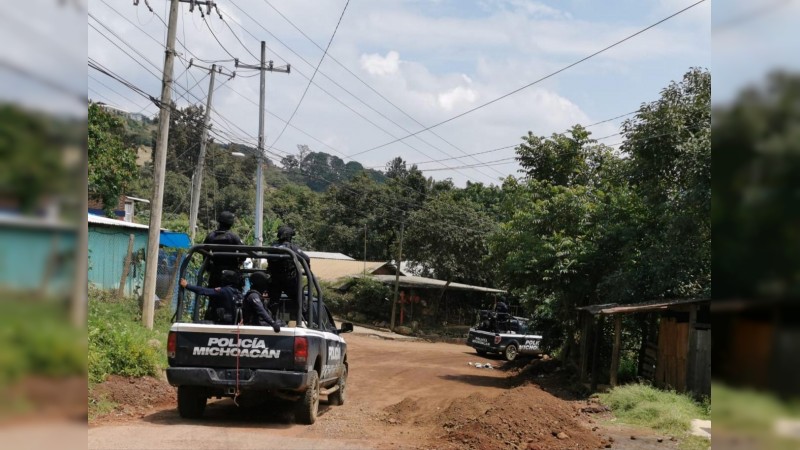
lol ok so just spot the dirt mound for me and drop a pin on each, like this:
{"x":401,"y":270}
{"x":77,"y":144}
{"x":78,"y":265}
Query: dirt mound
{"x":525,"y":417}
{"x":402,"y":412}
{"x":133,"y":396}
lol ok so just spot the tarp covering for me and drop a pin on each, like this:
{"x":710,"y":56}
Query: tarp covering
{"x":174,"y":239}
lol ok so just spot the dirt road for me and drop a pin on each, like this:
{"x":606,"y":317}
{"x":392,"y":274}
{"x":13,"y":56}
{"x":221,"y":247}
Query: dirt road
{"x":400,"y":395}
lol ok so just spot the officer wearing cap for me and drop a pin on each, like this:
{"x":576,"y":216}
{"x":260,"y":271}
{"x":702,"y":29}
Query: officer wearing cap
{"x":223,"y":236}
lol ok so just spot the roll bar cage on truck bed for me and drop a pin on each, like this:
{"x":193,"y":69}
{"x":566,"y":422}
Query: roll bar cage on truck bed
{"x":302,"y":362}
{"x":255,"y":253}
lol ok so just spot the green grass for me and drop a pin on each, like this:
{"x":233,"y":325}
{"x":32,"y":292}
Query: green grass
{"x":118,"y":342}
{"x":665,"y":411}
{"x":753,"y":414}
{"x":100,"y":407}
{"x":694,"y":443}
{"x":37,"y":339}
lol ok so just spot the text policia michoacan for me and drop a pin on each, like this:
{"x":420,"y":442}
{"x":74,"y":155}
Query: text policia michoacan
{"x":246,"y":348}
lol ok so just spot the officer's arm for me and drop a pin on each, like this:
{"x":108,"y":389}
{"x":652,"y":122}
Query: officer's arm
{"x":213,"y":293}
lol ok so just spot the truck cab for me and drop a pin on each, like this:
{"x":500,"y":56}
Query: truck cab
{"x":304,"y":361}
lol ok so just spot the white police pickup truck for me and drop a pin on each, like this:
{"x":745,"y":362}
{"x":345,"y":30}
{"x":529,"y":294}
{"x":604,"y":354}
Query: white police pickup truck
{"x":303,"y":362}
{"x":503,"y":334}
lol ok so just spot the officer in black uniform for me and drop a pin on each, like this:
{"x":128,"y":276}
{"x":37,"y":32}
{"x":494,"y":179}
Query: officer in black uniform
{"x":253,"y":310}
{"x":223,"y":236}
{"x":283,"y":273}
{"x":221,"y":300}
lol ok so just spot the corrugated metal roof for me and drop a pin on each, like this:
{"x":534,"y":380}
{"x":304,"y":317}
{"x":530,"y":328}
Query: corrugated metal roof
{"x":423,"y":282}
{"x":329,"y":255}
{"x":334,"y":269}
{"x":652,"y":305}
{"x":100,"y":220}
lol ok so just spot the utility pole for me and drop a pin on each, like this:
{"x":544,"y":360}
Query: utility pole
{"x":365,"y":248}
{"x":397,"y":274}
{"x":159,"y":165}
{"x":160,"y":162}
{"x":197,"y":178}
{"x":263,"y":68}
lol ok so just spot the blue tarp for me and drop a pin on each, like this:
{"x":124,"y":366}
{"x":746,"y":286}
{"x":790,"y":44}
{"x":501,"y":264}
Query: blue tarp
{"x":174,"y":239}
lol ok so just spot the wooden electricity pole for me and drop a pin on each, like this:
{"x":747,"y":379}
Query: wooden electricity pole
{"x":397,"y":275}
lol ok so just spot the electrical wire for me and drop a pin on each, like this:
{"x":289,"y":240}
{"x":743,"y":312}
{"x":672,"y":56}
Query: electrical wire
{"x":539,"y":80}
{"x":316,"y":69}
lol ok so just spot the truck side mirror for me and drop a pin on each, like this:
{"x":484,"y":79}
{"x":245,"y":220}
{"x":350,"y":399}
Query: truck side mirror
{"x":347,"y":327}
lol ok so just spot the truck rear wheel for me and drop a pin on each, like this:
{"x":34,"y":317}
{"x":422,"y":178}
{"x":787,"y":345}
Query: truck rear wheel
{"x":337,"y":398}
{"x":191,"y":402}
{"x":511,"y":352}
{"x":305,"y":411}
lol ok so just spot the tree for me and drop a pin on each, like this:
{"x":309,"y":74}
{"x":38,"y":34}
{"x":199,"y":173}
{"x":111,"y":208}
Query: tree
{"x":111,"y":164}
{"x":449,"y":239}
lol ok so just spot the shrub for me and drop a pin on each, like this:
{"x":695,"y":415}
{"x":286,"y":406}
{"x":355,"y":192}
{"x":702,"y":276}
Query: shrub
{"x":641,"y":404}
{"x":370,"y":298}
{"x":37,"y":339}
{"x":118,"y":343}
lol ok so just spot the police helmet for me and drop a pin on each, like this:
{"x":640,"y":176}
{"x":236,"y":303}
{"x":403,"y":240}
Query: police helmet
{"x":285,"y":233}
{"x":230,"y":278}
{"x":259,"y":281}
{"x":226,"y":218}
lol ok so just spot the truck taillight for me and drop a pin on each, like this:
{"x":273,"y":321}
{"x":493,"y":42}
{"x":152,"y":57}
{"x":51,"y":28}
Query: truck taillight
{"x":497,"y":339}
{"x":172,"y":344}
{"x":300,"y":350}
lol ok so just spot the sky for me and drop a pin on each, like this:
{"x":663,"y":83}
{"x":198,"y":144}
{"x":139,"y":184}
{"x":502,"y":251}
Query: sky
{"x":395,"y":67}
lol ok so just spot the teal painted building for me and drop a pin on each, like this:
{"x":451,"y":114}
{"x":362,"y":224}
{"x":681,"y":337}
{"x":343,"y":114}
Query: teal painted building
{"x":108,"y":247}
{"x":36,"y":255}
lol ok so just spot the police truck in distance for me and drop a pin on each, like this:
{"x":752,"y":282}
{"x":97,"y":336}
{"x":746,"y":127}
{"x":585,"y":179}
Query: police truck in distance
{"x":303,"y":362}
{"x":504,"y":334}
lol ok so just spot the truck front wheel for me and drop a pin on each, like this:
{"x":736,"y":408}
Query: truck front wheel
{"x":191,"y":402}
{"x":306,"y":409}
{"x":511,"y":352}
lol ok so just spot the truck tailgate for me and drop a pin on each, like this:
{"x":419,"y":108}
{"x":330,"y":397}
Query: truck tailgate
{"x":255,"y":347}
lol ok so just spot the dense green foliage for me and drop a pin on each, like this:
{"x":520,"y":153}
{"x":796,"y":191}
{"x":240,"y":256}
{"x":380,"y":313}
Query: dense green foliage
{"x":112,"y":164}
{"x":32,"y":151}
{"x":756,"y":206}
{"x":118,"y":342}
{"x":37,"y":339}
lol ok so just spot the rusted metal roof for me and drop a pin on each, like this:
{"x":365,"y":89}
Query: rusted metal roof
{"x":652,"y":305}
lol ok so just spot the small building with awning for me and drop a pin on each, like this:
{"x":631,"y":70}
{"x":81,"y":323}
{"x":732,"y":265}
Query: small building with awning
{"x":117,"y":251}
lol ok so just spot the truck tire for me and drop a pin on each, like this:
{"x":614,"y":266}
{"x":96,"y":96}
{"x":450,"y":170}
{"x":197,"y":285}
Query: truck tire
{"x":191,"y":402}
{"x":337,"y":398}
{"x":305,"y":410}
{"x":511,"y":352}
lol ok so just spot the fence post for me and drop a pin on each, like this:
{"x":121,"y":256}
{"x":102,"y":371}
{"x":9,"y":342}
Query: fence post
{"x":174,"y":273}
{"x":126,"y":267}
{"x":615,"y":352}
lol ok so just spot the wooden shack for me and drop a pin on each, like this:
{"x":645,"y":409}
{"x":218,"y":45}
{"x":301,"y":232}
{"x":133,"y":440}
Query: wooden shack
{"x":680,"y":356}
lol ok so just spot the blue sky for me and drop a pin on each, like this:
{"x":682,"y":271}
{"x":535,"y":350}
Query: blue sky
{"x":432,"y":59}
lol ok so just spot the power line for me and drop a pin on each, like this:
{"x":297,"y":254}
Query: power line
{"x":550,"y":75}
{"x":339,"y":100}
{"x":316,"y":69}
{"x":331,"y":57}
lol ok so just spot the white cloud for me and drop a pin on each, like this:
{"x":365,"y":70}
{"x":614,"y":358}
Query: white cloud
{"x":457,"y":97}
{"x":376,"y":64}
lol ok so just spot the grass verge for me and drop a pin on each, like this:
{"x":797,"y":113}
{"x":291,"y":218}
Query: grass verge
{"x":665,"y":411}
{"x":118,"y":342}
